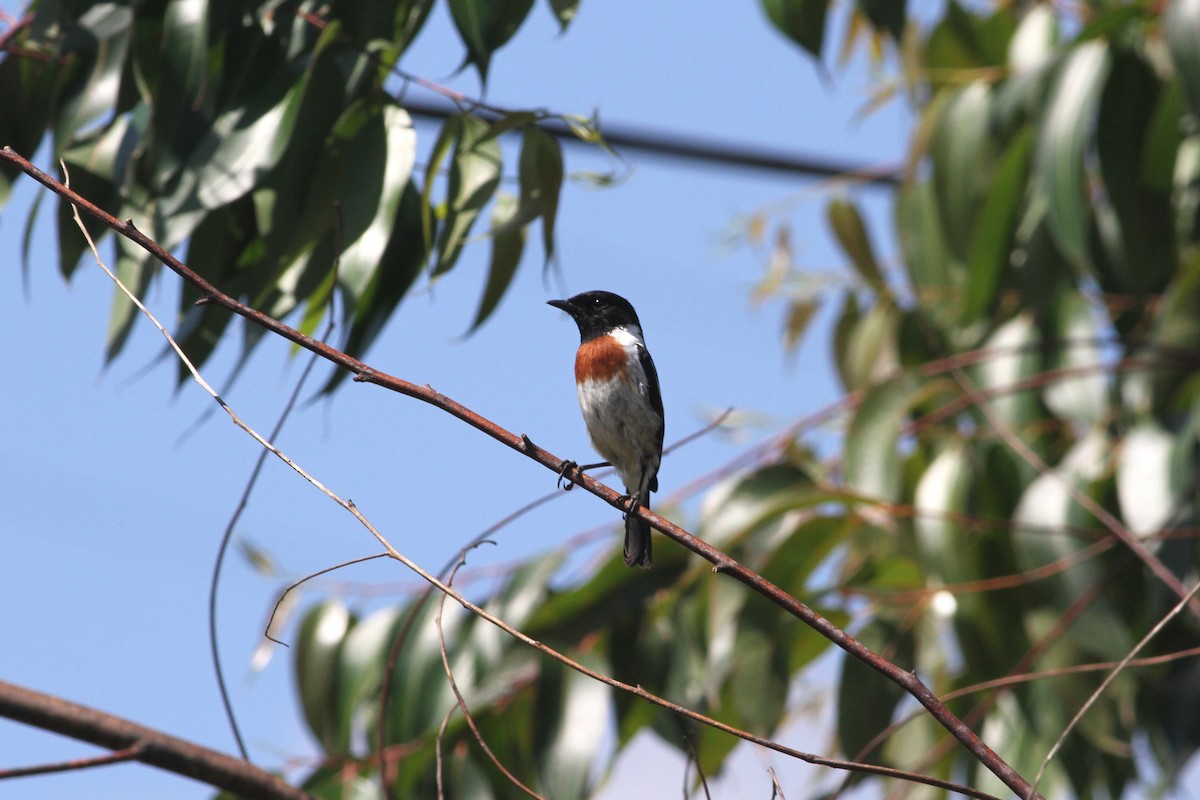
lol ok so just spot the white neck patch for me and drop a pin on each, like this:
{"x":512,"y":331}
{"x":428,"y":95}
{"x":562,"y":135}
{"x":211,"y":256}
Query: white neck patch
{"x":629,"y":336}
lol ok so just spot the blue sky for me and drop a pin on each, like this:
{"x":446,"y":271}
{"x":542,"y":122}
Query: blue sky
{"x":113,"y":514}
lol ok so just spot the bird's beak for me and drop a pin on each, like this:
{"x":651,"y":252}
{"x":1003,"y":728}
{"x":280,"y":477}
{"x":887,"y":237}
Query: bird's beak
{"x":565,"y":305}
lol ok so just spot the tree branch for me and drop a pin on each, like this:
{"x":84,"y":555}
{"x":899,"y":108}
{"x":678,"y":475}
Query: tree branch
{"x":521,"y":443}
{"x":153,"y":747}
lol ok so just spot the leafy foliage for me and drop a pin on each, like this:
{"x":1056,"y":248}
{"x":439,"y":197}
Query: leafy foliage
{"x":1034,"y":350}
{"x":267,"y":139}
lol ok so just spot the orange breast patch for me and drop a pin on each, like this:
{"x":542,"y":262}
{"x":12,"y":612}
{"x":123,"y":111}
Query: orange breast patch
{"x":600,"y":359}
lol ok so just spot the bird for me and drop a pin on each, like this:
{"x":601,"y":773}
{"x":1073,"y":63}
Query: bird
{"x":621,"y":403}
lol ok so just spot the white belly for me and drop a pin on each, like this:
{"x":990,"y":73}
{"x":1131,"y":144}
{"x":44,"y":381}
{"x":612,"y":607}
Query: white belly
{"x":618,"y":422}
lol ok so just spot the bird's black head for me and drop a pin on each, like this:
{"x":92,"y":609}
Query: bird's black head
{"x":597,"y":313}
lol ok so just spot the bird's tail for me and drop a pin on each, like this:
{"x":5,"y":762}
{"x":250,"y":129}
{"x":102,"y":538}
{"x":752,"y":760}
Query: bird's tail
{"x":637,"y":535}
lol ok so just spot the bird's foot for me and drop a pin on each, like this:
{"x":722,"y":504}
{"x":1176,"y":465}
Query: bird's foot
{"x":563,"y":482}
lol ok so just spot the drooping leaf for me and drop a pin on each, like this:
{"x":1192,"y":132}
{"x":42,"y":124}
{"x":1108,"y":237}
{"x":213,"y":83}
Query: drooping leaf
{"x":1148,"y":482}
{"x":318,"y":641}
{"x":873,"y":438}
{"x":361,"y":662}
{"x":370,"y":196}
{"x":564,"y":12}
{"x":799,"y":314}
{"x":885,"y":15}
{"x":103,"y":34}
{"x":485,"y":26}
{"x":1012,"y":357}
{"x":1082,"y":393}
{"x":508,"y":242}
{"x":571,"y":706}
{"x":541,"y":175}
{"x":923,"y":242}
{"x":802,"y":21}
{"x":1146,"y":255}
{"x":851,"y":232}
{"x":992,"y":238}
{"x":866,"y":699}
{"x":474,"y":176}
{"x":135,"y":268}
{"x":1181,"y":24}
{"x":939,"y":501}
{"x":1063,"y":137}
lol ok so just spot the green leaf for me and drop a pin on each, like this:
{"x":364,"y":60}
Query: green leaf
{"x":318,"y":641}
{"x":447,"y":136}
{"x":923,"y":242}
{"x":1145,"y":256}
{"x":873,"y":438}
{"x":96,"y":69}
{"x":420,"y":695}
{"x":375,"y":175}
{"x":135,"y":268}
{"x":361,"y":661}
{"x":569,"y":706}
{"x":992,"y":238}
{"x":1181,"y":24}
{"x":887,"y":16}
{"x":1063,"y":139}
{"x":28,"y":87}
{"x":185,"y":48}
{"x":243,"y":144}
{"x":541,"y":175}
{"x":962,"y":153}
{"x":851,"y":232}
{"x":1050,"y":521}
{"x":507,"y":244}
{"x":801,"y":552}
{"x":1013,"y":356}
{"x":1149,"y":485}
{"x":799,"y":314}
{"x":564,"y":12}
{"x":871,"y":346}
{"x":743,"y":503}
{"x":485,"y":26}
{"x":843,"y":330}
{"x":866,"y":699}
{"x":397,"y":271}
{"x":474,"y":176}
{"x":802,"y":21}
{"x":940,"y":503}
{"x":759,"y":678}
{"x":1081,"y":396}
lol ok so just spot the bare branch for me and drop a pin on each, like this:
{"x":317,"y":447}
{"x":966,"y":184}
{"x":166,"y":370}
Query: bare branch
{"x":157,"y":749}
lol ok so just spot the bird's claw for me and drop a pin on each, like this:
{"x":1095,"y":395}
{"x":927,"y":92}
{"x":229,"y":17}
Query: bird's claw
{"x":563,"y":482}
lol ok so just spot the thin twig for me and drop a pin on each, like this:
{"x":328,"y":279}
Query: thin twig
{"x":459,"y":699}
{"x":694,"y":759}
{"x":776,"y":789}
{"x":125,"y":754}
{"x":1108,"y":679}
{"x":309,"y":577}
{"x":227,"y":535}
